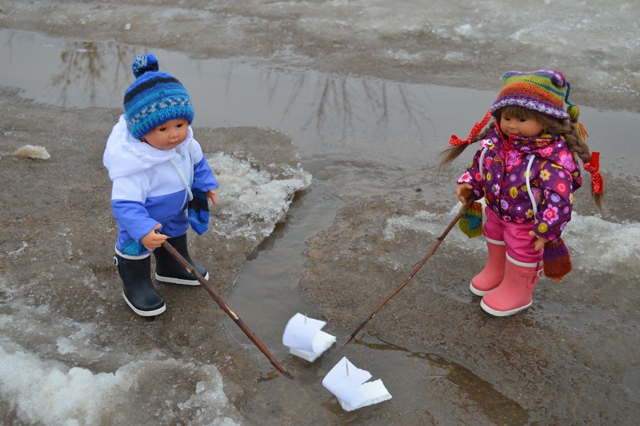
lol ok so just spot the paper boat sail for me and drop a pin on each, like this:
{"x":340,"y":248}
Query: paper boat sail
{"x":347,"y":383}
{"x":304,"y":337}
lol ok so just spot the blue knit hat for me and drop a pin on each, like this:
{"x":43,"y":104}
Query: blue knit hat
{"x":154,"y":98}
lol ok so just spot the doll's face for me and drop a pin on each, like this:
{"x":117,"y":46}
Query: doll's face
{"x":523,"y":127}
{"x":168,"y":135}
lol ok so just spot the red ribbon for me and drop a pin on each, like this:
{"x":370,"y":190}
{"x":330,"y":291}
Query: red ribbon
{"x":455,"y":141}
{"x":597,"y":183}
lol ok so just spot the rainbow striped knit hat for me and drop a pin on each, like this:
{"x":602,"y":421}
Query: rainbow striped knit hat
{"x":543,"y":91}
{"x":154,"y":98}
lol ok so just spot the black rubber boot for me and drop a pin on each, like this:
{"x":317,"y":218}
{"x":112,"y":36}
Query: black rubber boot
{"x":139,"y":292}
{"x":169,"y":270}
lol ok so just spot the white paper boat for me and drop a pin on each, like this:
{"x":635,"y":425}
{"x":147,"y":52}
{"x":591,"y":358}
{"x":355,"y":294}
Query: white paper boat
{"x":347,"y":383}
{"x":304,"y":337}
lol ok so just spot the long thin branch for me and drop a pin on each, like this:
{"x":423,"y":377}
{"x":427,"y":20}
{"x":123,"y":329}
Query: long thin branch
{"x":220,"y":301}
{"x":415,"y":270}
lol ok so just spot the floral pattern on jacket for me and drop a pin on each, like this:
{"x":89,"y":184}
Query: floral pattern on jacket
{"x":554,"y":176}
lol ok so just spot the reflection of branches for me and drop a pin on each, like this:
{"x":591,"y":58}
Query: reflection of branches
{"x":124,"y":55}
{"x":9,"y":44}
{"x":338,"y":102}
{"x":78,"y":61}
{"x":273,"y":89}
{"x":346,"y":104}
{"x":373,"y":101}
{"x":335,"y":95}
{"x":321,"y":104}
{"x":297,"y":88}
{"x":407,"y":106}
{"x":82,"y":65}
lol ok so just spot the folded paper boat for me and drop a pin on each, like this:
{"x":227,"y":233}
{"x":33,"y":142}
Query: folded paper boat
{"x":304,"y":337}
{"x":347,"y":383}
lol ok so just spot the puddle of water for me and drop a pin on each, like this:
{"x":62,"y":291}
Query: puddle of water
{"x":500,"y":409}
{"x":266,"y":294}
{"x":332,"y":120}
{"x":328,"y":116}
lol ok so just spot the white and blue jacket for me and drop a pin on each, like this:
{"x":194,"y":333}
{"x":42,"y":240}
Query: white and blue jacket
{"x":148,"y":188}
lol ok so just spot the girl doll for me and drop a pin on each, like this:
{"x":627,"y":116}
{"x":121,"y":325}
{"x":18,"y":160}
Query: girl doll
{"x":527,"y":170}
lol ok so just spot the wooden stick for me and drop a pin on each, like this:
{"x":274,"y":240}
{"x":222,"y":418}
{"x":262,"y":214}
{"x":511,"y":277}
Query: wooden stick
{"x":415,"y":270}
{"x":220,"y":301}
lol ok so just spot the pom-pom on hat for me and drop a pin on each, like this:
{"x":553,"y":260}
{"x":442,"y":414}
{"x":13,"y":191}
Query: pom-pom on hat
{"x":543,"y":91}
{"x":154,"y":98}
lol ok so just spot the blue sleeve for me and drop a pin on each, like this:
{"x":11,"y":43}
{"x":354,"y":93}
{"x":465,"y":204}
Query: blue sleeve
{"x":203,"y":178}
{"x":133,"y":217}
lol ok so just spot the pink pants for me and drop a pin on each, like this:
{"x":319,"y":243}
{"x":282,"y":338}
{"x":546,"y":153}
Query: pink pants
{"x":520,"y":245}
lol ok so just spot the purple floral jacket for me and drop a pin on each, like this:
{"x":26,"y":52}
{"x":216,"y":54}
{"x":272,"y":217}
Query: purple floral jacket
{"x":554,"y":176}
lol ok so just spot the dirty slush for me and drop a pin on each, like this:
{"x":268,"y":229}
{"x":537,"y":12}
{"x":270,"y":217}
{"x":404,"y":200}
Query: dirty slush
{"x":322,"y":121}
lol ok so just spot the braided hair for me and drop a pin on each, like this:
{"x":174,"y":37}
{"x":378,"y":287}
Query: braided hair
{"x":571,"y":131}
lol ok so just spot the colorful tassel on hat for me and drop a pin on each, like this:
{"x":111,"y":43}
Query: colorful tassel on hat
{"x":574,"y":113}
{"x":556,"y":260}
{"x":471,"y":221}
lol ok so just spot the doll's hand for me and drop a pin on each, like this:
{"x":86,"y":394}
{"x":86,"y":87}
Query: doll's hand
{"x":540,"y":242}
{"x":153,"y":239}
{"x":211,"y":194}
{"x":464,"y":192}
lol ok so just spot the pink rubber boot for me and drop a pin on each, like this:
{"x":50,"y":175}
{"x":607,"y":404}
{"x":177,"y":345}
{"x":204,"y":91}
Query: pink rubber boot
{"x":515,"y":292}
{"x":491,"y":276}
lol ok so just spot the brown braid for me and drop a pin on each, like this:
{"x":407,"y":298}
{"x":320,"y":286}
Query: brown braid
{"x":552,"y":125}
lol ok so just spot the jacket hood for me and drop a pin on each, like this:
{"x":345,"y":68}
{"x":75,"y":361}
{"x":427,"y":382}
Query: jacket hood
{"x":125,"y":155}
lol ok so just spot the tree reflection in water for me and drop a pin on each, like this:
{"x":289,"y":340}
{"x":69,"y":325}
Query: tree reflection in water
{"x":343,"y":102}
{"x":93,"y":69}
{"x":342,"y":111}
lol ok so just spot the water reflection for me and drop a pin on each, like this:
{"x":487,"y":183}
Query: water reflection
{"x":91,"y":67}
{"x":281,"y":228}
{"x":279,"y":231}
{"x":330,"y":100}
{"x":325,"y":114}
{"x":8,"y":45}
{"x":340,"y":101}
{"x":499,"y":408}
{"x":65,"y":73}
{"x":78,"y":62}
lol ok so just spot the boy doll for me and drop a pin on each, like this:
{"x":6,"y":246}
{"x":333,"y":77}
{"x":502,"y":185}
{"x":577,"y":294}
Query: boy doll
{"x":156,"y":168}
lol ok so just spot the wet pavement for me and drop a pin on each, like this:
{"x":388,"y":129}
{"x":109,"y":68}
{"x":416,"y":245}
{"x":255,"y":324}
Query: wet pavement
{"x":345,"y":243}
